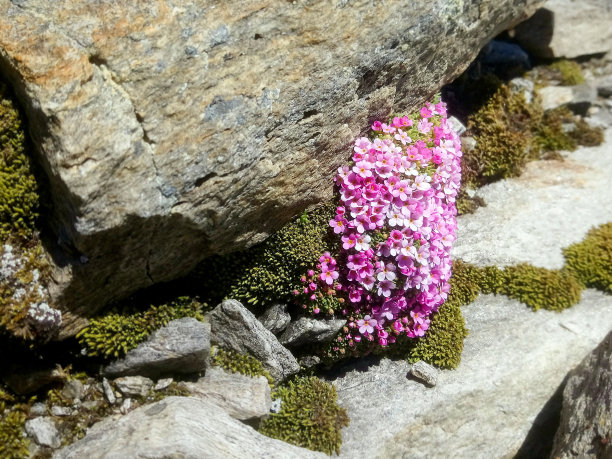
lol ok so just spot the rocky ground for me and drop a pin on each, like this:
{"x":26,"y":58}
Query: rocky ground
{"x":504,"y":398}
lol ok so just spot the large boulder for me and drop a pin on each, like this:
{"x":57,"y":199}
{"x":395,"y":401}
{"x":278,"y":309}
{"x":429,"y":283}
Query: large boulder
{"x":585,"y":429}
{"x":183,"y":427}
{"x":170,"y":131}
{"x":568,"y":28}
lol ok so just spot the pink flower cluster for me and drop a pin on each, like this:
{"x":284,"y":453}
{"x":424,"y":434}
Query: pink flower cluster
{"x":396,"y":223}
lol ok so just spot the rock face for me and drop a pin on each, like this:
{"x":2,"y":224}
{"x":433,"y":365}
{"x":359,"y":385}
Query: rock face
{"x":234,"y":327}
{"x":183,"y":427}
{"x":242,"y":397}
{"x":173,"y":130}
{"x":182,"y":346}
{"x":585,"y":429}
{"x":568,"y":28}
{"x":513,"y":362}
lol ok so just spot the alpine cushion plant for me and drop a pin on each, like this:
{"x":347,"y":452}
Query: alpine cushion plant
{"x":395,"y":224}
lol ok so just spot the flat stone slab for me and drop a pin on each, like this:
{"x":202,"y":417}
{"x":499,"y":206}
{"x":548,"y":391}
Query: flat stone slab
{"x":513,"y":362}
{"x":178,"y":427}
{"x":532,"y":217}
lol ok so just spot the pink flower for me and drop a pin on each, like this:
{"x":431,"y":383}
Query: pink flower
{"x":426,"y":112}
{"x":376,"y":126}
{"x":385,"y":287}
{"x":338,"y":224}
{"x":349,"y":241}
{"x":366,"y":325}
{"x":424,"y":126}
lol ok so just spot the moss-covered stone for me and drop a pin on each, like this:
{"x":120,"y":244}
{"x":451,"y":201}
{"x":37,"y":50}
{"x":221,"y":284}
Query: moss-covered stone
{"x":117,"y":332}
{"x":587,"y":135}
{"x":13,"y":444}
{"x":309,"y":416}
{"x":502,"y":130}
{"x":541,"y":288}
{"x":442,"y":345}
{"x":549,"y":133}
{"x":270,"y":271}
{"x":19,"y":200}
{"x":244,"y":364}
{"x":590,"y":261}
{"x":23,"y":269}
{"x":569,"y":72}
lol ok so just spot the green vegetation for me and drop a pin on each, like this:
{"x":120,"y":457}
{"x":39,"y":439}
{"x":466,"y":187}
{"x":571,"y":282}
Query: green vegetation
{"x":510,"y":132}
{"x":442,"y":345}
{"x":13,"y":445}
{"x":309,"y":416}
{"x":569,"y":71}
{"x":590,"y":261}
{"x":240,"y":363}
{"x":270,"y":271}
{"x":115,"y":333}
{"x":22,"y":289}
{"x":19,"y":199}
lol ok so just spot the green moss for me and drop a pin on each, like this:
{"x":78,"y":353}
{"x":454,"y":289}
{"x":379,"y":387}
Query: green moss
{"x":549,"y":133}
{"x":23,"y":289}
{"x":115,"y":333}
{"x":240,"y":363}
{"x":541,"y":288}
{"x":19,"y":198}
{"x":590,"y":261}
{"x":270,"y":271}
{"x":13,"y":444}
{"x":309,"y":416}
{"x":442,"y":345}
{"x":502,"y":130}
{"x":569,"y":71}
{"x":492,"y":280}
{"x":466,"y":204}
{"x":586,"y":135}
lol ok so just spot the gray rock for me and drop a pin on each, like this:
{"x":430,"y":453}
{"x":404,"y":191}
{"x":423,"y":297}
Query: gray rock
{"x":532,"y":211}
{"x":457,"y":125}
{"x":182,"y":346}
{"x":74,"y":390}
{"x":126,"y":406}
{"x":468,"y":143}
{"x":276,"y":405}
{"x":567,"y":28}
{"x":585,"y":429}
{"x":57,"y":410}
{"x":275,"y":318}
{"x":217,"y":127}
{"x":43,"y":431}
{"x":108,"y":392}
{"x":513,"y":362}
{"x":234,"y":327}
{"x":424,"y":372}
{"x":583,"y":97}
{"x":523,"y":86}
{"x":38,"y":409}
{"x":309,"y":361}
{"x":133,"y":386}
{"x":604,"y":86}
{"x":555,"y":96}
{"x":184,"y":427}
{"x":163,"y":383}
{"x":306,"y":330}
{"x":242,"y":397}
